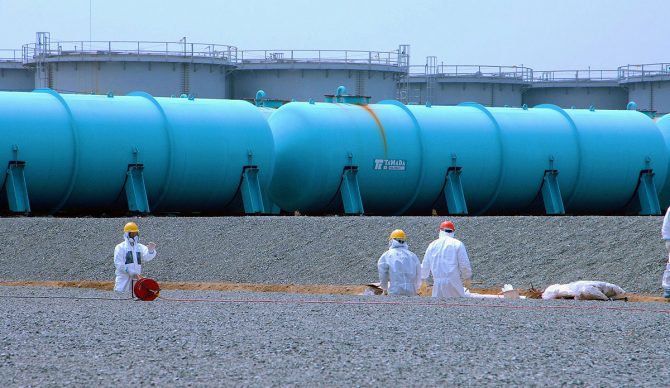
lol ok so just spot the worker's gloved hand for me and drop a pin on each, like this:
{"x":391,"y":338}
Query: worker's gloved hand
{"x":151,"y":246}
{"x":385,"y":292}
{"x":467,"y":283}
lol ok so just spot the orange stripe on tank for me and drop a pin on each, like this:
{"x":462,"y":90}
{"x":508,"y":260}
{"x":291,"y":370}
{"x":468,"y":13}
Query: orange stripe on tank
{"x":380,"y":126}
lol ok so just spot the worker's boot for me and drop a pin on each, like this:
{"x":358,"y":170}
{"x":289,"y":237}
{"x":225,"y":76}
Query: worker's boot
{"x":666,"y":294}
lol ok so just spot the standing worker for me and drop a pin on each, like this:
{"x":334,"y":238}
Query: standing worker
{"x":447,"y":259}
{"x":665,"y":234}
{"x":129,"y":256}
{"x":399,"y":266}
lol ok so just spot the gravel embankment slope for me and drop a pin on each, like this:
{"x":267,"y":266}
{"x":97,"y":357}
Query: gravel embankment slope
{"x":75,"y":342}
{"x":338,"y":250}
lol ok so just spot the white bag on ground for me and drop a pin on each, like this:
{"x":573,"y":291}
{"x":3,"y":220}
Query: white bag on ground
{"x":584,"y":290}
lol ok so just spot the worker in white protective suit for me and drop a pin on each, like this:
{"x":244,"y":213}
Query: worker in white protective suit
{"x":448,"y":261}
{"x":665,"y":234}
{"x":129,"y":257}
{"x":400,"y":267}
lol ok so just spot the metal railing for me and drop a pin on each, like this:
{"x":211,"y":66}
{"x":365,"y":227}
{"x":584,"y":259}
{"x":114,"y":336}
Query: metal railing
{"x":650,"y":70}
{"x":223,"y":53}
{"x":474,"y":71}
{"x":587,"y":75}
{"x":10,"y":55}
{"x":319,"y":56}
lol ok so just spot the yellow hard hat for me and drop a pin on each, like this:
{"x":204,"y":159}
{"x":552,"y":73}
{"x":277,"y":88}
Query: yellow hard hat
{"x":131,"y":227}
{"x":397,"y":234}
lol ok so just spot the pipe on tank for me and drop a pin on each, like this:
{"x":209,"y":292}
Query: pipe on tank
{"x":260,"y":95}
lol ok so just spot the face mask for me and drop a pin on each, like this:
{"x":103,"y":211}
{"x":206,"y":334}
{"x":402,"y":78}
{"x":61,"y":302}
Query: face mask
{"x":134,"y":240}
{"x":445,"y":234}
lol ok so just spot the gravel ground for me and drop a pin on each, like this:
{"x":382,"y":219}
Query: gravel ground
{"x":338,"y":250}
{"x":420,"y":342}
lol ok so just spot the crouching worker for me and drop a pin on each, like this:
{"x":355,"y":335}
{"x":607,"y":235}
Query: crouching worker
{"x":448,"y":261}
{"x":400,"y":267}
{"x":129,"y":257}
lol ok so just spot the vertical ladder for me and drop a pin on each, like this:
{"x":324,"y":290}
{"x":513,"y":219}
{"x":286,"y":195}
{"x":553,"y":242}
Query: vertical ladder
{"x":431,"y":71}
{"x":453,"y":192}
{"x":402,"y":87}
{"x":350,"y":191}
{"x":136,"y":192}
{"x":250,"y":188}
{"x":186,"y":78}
{"x":647,"y":195}
{"x":360,"y":84}
{"x":42,"y":50}
{"x":551,"y":193}
{"x":16,"y":189}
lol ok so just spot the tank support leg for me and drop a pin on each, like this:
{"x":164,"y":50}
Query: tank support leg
{"x":351,"y":194}
{"x":647,"y":195}
{"x":453,"y":192}
{"x":269,"y":206}
{"x":551,"y":193}
{"x":16,"y":189}
{"x":251,"y":191}
{"x":136,"y":191}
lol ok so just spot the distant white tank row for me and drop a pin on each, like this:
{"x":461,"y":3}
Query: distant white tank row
{"x":87,"y":154}
{"x":208,"y":70}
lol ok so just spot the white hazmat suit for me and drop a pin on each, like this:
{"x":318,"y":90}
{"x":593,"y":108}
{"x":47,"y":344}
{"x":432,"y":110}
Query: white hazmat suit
{"x":447,"y":259}
{"x":665,"y":234}
{"x":402,"y":268}
{"x":128,"y":259}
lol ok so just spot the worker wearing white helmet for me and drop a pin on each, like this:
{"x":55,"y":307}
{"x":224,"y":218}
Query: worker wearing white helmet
{"x":448,"y":261}
{"x":399,"y":267}
{"x":129,"y":257}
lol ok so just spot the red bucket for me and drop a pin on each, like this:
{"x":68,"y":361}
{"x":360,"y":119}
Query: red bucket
{"x":146,"y":289}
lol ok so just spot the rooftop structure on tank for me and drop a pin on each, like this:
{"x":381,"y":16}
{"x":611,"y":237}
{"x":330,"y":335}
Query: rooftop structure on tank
{"x":442,"y":84}
{"x":13,"y":75}
{"x":309,"y":74}
{"x":209,"y":70}
{"x":163,"y":68}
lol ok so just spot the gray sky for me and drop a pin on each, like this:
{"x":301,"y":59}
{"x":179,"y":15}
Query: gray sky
{"x":542,"y":34}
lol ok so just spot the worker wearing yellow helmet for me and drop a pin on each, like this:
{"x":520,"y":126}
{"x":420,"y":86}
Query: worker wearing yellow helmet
{"x":129,"y":256}
{"x":399,"y":268}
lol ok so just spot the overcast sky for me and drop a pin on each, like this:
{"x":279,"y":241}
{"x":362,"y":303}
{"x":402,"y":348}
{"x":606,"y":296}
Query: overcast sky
{"x":541,"y":34}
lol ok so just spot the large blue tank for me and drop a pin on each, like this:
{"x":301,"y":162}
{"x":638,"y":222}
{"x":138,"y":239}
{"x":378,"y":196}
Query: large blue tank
{"x":664,"y":194}
{"x":403,"y":155}
{"x":78,"y":150}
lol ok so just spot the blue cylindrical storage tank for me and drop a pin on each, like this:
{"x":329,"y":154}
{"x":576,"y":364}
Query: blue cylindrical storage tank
{"x":314,"y":142}
{"x":503,"y":154}
{"x":77,"y":150}
{"x":664,"y":192}
{"x":614,"y":147}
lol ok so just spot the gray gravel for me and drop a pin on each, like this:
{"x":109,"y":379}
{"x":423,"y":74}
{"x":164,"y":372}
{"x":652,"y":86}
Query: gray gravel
{"x":79,"y":342}
{"x":522,"y":251}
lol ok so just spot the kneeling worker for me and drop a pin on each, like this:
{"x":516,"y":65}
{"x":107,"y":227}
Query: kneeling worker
{"x":129,"y":256}
{"x":399,"y":266}
{"x":447,"y":259}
